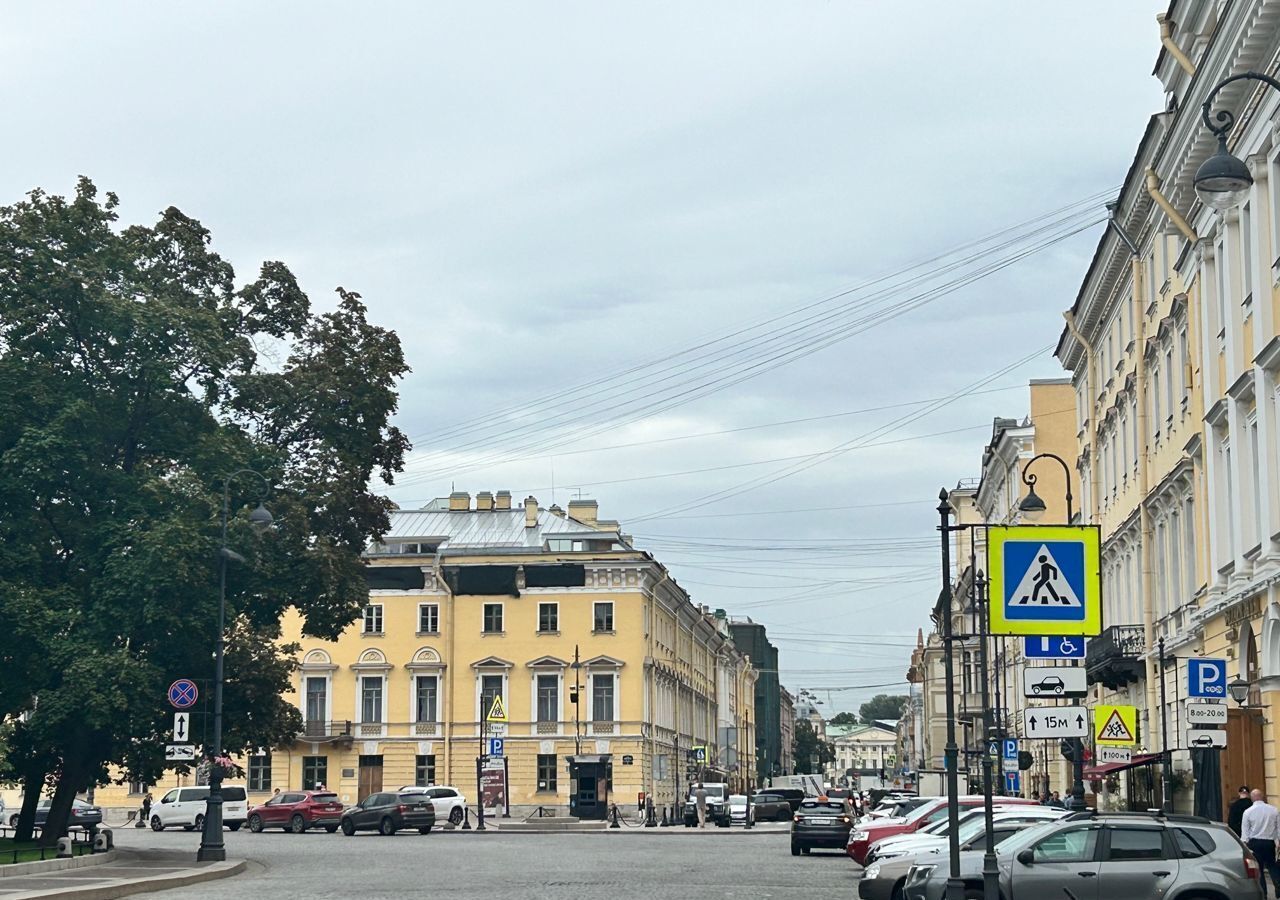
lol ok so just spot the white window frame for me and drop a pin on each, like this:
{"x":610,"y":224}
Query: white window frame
{"x":375,"y":612}
{"x":413,"y":697}
{"x":382,"y":699}
{"x":613,"y":622}
{"x":328,"y":695}
{"x":554,"y":605}
{"x":591,"y":695}
{"x":484,"y":612}
{"x":558,"y":674}
{"x":423,"y":607}
{"x":506,"y":693}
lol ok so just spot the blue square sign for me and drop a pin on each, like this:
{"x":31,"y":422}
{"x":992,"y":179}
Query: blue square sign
{"x":1207,"y":678}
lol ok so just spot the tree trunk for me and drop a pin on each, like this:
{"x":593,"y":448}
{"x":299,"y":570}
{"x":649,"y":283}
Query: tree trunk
{"x":74,"y":774}
{"x":32,"y":784}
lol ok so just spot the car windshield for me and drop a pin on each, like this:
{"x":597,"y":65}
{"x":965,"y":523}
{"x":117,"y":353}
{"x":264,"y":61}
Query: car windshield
{"x":738,"y":799}
{"x":1026,"y":837}
{"x":920,"y":812}
{"x":324,"y":798}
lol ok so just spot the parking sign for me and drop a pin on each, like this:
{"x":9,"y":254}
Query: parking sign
{"x":1207,"y":678}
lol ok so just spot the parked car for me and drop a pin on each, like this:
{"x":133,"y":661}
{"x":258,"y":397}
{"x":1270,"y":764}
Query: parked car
{"x":1119,"y":856}
{"x":820,"y":822}
{"x":717,"y":807}
{"x":971,"y":821}
{"x":297,"y":811}
{"x":896,"y":807}
{"x":793,"y":796}
{"x":186,"y":806}
{"x":885,"y":878}
{"x":83,"y":814}
{"x":449,"y":802}
{"x":738,"y":810}
{"x":387,"y":813}
{"x":866,"y":834}
{"x":772,"y":807}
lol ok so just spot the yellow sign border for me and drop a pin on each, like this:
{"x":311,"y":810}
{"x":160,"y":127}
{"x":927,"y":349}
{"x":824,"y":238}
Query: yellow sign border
{"x":1102,"y":715}
{"x":1089,"y":535}
{"x":497,"y":711}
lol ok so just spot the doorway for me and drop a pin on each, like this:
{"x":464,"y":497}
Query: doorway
{"x":370,"y":776}
{"x":1242,"y":758}
{"x":589,"y":786}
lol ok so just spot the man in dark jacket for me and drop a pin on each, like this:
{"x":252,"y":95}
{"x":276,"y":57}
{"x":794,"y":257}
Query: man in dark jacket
{"x":1235,"y":812}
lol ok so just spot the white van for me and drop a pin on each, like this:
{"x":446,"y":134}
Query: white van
{"x":186,"y":807}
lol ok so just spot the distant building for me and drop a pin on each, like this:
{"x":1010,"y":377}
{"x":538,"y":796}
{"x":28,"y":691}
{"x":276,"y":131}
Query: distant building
{"x":787,"y":729}
{"x":750,"y":638}
{"x":863,"y":752}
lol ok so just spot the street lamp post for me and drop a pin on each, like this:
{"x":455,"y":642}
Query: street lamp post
{"x":955,"y":885}
{"x":1033,"y":507}
{"x":211,"y":846}
{"x":1223,"y":180}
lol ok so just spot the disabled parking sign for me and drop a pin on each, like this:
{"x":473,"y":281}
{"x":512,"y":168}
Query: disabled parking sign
{"x":1045,"y":579}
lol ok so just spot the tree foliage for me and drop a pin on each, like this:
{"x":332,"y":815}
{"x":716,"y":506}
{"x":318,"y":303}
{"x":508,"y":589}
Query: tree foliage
{"x":134,"y":376}
{"x":883,"y":706}
{"x":811,"y":753}
{"x":845,"y":718}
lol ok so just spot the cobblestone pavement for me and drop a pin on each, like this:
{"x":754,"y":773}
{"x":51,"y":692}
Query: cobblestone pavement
{"x":673,"y":863}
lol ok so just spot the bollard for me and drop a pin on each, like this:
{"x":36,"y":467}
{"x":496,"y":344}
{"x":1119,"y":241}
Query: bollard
{"x":466,"y":818}
{"x":615,"y":824}
{"x":664,"y":823}
{"x":649,"y":820}
{"x":103,"y":841}
{"x":64,"y":848}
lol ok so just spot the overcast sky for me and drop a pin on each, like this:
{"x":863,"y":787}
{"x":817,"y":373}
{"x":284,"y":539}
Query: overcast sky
{"x":540,"y":197}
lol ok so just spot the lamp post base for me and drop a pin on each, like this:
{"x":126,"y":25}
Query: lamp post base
{"x":211,"y":854}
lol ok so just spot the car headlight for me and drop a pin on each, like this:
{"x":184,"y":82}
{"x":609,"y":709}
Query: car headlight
{"x":873,"y":871}
{"x":917,"y":874}
{"x":858,"y":836}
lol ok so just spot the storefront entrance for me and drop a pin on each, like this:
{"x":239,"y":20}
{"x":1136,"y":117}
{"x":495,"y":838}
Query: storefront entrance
{"x":589,"y":778}
{"x":1242,"y":758}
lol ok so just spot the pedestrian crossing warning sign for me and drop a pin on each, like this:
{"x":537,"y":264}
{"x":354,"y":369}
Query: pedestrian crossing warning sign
{"x":498,"y":711}
{"x":1115,"y":724}
{"x":1044,"y":580}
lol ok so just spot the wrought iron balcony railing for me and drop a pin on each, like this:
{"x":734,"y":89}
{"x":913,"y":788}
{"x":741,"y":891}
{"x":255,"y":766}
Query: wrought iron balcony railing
{"x":1114,"y":658}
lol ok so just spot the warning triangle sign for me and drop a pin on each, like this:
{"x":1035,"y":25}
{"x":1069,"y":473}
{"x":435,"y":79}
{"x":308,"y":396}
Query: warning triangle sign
{"x":498,"y":711}
{"x":1115,"y":729}
{"x":1044,"y":584}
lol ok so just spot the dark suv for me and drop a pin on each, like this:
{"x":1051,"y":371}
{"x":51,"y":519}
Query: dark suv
{"x":820,"y":822}
{"x":388,"y":813}
{"x":297,"y":811}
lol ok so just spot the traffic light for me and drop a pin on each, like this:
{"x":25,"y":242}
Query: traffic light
{"x":1067,"y":747}
{"x":1025,"y":760}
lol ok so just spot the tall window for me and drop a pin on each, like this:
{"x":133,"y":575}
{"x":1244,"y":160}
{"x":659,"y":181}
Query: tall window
{"x":546,"y":772}
{"x":548,"y":617}
{"x":426,"y":690}
{"x":315,"y":771}
{"x":1155,"y":401}
{"x":493,"y":618}
{"x":424,"y":770}
{"x":317,"y":703}
{"x":371,"y":698}
{"x":602,"y":698}
{"x":1189,"y":545}
{"x":1255,"y":495}
{"x":1184,"y":363}
{"x":1246,"y":253}
{"x":1168,"y":384}
{"x":1220,"y":264}
{"x":490,"y":687}
{"x":1175,"y":559}
{"x":260,"y":772}
{"x":428,"y":618}
{"x":373,"y":618}
{"x":548,"y":698}
{"x":603,"y":616}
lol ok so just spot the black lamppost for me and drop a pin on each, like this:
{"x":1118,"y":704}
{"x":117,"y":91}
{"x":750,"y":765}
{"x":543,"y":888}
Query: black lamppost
{"x":1223,"y":180}
{"x":1033,"y":507}
{"x":211,"y":846}
{"x":951,"y":753}
{"x":1239,"y":691}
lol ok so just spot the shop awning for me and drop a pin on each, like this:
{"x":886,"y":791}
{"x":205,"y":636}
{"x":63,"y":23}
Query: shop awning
{"x":1139,"y":759}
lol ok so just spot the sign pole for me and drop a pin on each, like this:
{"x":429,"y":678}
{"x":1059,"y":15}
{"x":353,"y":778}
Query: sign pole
{"x":990,"y":871}
{"x":955,"y":886}
{"x":484,"y":734}
{"x":1166,"y":771}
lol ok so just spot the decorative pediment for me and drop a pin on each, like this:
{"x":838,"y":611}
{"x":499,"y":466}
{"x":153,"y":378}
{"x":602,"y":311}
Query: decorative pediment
{"x":317,"y":661}
{"x":603,"y":662}
{"x":425,"y":658}
{"x":492,"y":662}
{"x":547,"y":662}
{"x":371,"y":660}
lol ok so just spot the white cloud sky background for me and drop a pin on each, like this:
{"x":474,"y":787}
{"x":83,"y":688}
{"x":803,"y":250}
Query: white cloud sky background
{"x":537,"y":195}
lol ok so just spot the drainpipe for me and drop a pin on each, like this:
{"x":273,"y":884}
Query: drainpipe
{"x":1153,"y":188}
{"x":1166,"y":38}
{"x":446,"y":712}
{"x":1091,"y":387}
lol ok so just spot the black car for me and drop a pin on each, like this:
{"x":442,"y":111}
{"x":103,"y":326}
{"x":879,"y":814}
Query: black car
{"x":820,"y":822}
{"x":83,"y":815}
{"x":388,"y":813}
{"x":770,"y":806}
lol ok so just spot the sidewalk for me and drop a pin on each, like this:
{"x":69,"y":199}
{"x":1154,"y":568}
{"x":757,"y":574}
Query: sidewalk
{"x":132,"y":871}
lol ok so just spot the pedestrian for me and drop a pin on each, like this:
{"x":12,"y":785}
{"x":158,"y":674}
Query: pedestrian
{"x":146,"y":810}
{"x":1260,"y":831}
{"x":700,"y":801}
{"x":1235,"y":812}
{"x":1035,"y":796}
{"x":275,"y":793}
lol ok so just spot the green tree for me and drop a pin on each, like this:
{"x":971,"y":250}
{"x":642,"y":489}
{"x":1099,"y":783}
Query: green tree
{"x":883,"y":706}
{"x":845,"y":718}
{"x":811,"y":753}
{"x":134,"y":375}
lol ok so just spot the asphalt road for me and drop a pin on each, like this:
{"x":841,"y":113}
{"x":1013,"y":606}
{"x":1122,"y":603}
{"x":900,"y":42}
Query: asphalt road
{"x":674,"y":862}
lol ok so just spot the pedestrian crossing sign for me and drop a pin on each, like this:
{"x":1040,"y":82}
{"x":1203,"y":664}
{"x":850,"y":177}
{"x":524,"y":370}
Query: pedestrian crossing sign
{"x":498,"y":711}
{"x":1115,"y":724}
{"x":1045,"y":579}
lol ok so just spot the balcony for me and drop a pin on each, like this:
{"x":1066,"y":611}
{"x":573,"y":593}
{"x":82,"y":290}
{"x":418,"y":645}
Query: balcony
{"x":1114,"y":658}
{"x":326,"y":732}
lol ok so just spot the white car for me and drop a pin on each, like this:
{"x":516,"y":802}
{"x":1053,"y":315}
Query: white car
{"x":738,"y":810}
{"x":970,"y":825}
{"x":450,"y":803}
{"x":185,"y":807}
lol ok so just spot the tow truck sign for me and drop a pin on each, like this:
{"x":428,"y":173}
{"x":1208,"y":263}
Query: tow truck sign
{"x":1055,"y":722}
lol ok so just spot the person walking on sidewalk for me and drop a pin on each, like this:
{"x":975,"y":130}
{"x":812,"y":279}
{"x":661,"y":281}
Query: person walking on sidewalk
{"x":1260,"y":831}
{"x":146,"y":810}
{"x":700,"y":801}
{"x":1235,"y":812}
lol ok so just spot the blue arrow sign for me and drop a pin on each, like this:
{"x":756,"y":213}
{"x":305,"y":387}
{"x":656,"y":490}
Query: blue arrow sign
{"x":1207,"y":678}
{"x":1053,"y":647}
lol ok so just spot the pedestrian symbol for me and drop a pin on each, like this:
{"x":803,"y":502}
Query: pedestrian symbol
{"x":1045,"y":580}
{"x":498,"y":711}
{"x":1115,"y":724}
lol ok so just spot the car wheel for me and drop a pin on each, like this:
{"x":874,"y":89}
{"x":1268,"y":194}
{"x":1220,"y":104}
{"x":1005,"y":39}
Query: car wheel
{"x":386,"y":826}
{"x":804,"y":850}
{"x":13,"y":821}
{"x":455,"y":816}
{"x":255,"y":824}
{"x":188,"y":828}
{"x":795,"y":849}
{"x":783,"y":816}
{"x":1035,"y":689}
{"x":425,"y":829}
{"x":331,"y":828}
{"x":198,"y":825}
{"x":898,"y":891}
{"x":156,"y":824}
{"x":348,"y":827}
{"x":297,"y":824}
{"x":235,"y":826}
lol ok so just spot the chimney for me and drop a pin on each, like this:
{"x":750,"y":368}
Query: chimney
{"x":484,"y":501}
{"x":585,"y":511}
{"x":459,"y":500}
{"x":530,"y":512}
{"x":503,"y":500}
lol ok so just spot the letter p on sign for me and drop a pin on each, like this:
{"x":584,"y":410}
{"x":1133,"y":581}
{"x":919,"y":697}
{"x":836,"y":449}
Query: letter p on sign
{"x":1207,"y":678}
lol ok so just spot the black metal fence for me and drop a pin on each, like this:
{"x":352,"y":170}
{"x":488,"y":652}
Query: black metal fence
{"x":81,"y":844}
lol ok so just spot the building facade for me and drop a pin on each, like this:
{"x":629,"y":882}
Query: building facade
{"x":751,"y":638}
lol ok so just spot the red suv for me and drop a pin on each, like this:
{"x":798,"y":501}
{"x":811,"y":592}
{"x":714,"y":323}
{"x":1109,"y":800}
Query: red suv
{"x":297,"y":811}
{"x":866,"y":833}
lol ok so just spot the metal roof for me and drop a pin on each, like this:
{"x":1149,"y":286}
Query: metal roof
{"x":484,"y":529}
